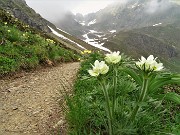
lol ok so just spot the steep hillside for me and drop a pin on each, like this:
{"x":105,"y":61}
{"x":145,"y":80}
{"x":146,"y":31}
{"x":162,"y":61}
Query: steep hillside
{"x":20,"y":10}
{"x":23,"y":47}
{"x":135,"y":14}
{"x":70,"y":24}
{"x":162,"y":42}
{"x":169,"y":34}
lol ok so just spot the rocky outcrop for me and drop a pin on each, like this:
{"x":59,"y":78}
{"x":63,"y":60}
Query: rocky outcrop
{"x":20,"y":10}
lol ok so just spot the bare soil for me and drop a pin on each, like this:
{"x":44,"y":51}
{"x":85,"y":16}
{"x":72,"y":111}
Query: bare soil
{"x":33,"y":103}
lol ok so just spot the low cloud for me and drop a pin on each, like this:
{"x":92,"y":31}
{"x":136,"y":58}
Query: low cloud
{"x":157,"y":5}
{"x":52,"y":10}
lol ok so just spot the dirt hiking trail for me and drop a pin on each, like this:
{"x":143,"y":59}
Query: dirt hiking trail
{"x":31,"y":104}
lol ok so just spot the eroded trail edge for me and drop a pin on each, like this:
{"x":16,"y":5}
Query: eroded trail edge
{"x":32,"y":104}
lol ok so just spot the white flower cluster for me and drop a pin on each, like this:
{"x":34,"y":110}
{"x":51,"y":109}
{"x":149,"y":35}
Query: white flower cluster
{"x":113,"y":58}
{"x":149,"y":64}
{"x":101,"y":67}
{"x":98,"y":68}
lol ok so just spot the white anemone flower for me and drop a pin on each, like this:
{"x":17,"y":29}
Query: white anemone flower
{"x":98,"y":68}
{"x":149,"y":64}
{"x":157,"y":66}
{"x":113,"y":57}
{"x":93,"y":72}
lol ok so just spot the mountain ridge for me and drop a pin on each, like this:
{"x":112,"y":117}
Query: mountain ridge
{"x":152,"y":25}
{"x":19,"y":9}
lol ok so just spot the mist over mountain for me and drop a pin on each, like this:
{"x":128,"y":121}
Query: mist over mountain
{"x":136,"y":27}
{"x":130,"y":15}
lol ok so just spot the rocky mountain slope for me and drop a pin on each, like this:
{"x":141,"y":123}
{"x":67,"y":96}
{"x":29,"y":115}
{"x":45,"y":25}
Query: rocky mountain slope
{"x":125,"y":16}
{"x":137,"y":27}
{"x":20,"y":10}
{"x":135,"y":14}
{"x":162,"y":42}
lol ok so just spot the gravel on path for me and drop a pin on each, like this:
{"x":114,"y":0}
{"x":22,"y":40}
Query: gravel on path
{"x":32,"y":104}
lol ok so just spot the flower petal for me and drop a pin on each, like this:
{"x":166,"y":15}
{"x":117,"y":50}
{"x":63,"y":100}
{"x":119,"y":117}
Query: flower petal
{"x":92,"y":73}
{"x":113,"y":57}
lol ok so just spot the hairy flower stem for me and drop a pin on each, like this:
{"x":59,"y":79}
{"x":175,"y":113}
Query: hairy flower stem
{"x":114,"y":91}
{"x":141,"y":98}
{"x":108,"y":108}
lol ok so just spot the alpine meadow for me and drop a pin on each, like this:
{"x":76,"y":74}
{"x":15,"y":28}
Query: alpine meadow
{"x":86,"y":67}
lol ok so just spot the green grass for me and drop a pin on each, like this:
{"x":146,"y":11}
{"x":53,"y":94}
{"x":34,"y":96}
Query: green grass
{"x":22,"y":47}
{"x":87,"y":115}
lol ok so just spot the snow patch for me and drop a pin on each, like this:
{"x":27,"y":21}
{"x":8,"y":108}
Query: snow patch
{"x":63,"y":37}
{"x":157,"y":24}
{"x":82,"y":23}
{"x":93,"y":31}
{"x":112,"y":31}
{"x":173,"y":46}
{"x":63,"y":31}
{"x":95,"y":43}
{"x":89,"y":41}
{"x":92,"y":22}
{"x":134,"y":5}
{"x":99,"y":36}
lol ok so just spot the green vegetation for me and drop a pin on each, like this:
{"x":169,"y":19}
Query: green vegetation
{"x":161,"y":41}
{"x":22,"y":47}
{"x":27,"y":15}
{"x":157,"y":112}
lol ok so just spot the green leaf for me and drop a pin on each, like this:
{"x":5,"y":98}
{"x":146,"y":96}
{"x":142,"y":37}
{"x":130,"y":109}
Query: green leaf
{"x":173,"y":97}
{"x":159,"y":81}
{"x":141,"y":104}
{"x":176,"y":77}
{"x":134,"y":75}
{"x":85,"y":78}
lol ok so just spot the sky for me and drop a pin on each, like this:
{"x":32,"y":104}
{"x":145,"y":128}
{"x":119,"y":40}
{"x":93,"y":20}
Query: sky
{"x":50,"y":9}
{"x":54,"y":10}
